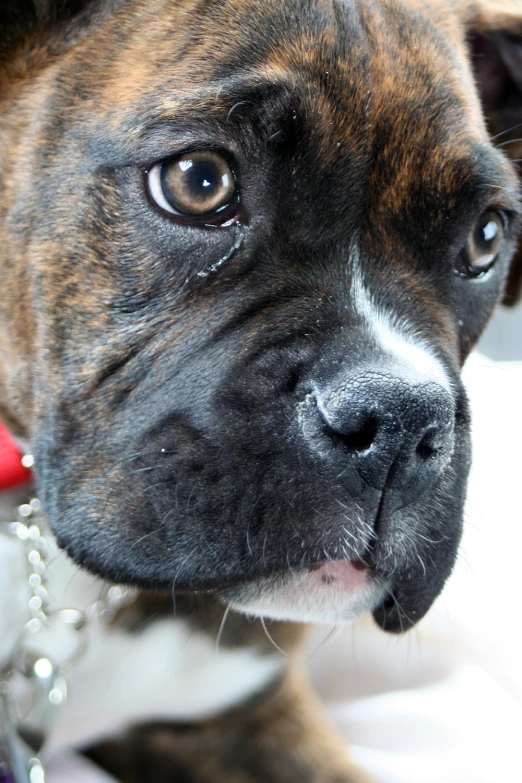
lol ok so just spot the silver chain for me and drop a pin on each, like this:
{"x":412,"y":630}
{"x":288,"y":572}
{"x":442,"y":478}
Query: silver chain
{"x":33,"y":683}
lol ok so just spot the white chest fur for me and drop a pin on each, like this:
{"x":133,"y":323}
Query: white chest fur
{"x":167,"y":671}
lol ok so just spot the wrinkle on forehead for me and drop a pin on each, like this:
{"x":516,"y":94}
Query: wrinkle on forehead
{"x":166,"y":59}
{"x":386,"y":80}
{"x":156,"y":44}
{"x":425,"y":113}
{"x":165,"y":47}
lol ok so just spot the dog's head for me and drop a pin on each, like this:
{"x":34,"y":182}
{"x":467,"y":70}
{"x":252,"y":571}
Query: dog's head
{"x":245,"y":250}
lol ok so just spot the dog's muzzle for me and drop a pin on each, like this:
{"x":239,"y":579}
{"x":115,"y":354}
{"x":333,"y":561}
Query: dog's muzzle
{"x":386,"y":437}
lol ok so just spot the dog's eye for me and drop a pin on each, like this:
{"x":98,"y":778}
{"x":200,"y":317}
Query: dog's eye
{"x":482,"y":245}
{"x":197,"y":184}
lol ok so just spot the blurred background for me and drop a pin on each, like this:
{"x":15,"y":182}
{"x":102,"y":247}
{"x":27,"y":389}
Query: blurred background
{"x":503,"y":338}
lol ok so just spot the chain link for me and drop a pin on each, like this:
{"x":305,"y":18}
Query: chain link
{"x":33,"y":682}
{"x":27,"y":530}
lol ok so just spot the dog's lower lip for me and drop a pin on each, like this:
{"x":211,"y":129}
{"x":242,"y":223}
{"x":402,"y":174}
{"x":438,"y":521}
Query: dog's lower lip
{"x":331,"y":571}
{"x":343,"y":574}
{"x":358,"y":565}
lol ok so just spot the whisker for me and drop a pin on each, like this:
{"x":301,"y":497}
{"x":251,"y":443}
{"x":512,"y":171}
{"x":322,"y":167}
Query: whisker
{"x":234,"y":107}
{"x":75,"y":573}
{"x":400,"y":611}
{"x":421,"y":561}
{"x":274,"y":135}
{"x":248,"y":538}
{"x":221,"y":628}
{"x":274,"y":644}
{"x":264,"y":550}
{"x":158,"y":484}
{"x":330,"y":637}
{"x":504,"y":132}
{"x":180,"y":567}
{"x":135,"y":455}
{"x":60,"y":553}
{"x":509,"y":141}
{"x":147,"y":535}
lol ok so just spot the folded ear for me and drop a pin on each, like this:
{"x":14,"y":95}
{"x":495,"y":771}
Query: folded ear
{"x":496,"y":44}
{"x":29,"y":26}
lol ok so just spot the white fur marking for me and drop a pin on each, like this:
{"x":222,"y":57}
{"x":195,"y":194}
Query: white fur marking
{"x":306,"y":597}
{"x":396,"y":336}
{"x":167,"y":672}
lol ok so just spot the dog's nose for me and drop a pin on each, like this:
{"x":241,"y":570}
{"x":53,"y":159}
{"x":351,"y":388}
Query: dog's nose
{"x":395,"y":432}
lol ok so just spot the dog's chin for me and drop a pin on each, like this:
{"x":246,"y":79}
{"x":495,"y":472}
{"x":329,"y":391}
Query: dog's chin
{"x":335,"y":592}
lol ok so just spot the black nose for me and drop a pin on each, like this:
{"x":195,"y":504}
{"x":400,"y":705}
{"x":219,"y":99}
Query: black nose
{"x":395,"y":432}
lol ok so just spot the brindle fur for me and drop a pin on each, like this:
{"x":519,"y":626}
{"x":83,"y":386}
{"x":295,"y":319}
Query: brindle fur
{"x":375,"y":96}
{"x":281,"y":738}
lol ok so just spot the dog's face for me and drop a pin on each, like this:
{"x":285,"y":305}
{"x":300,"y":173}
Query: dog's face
{"x":247,"y":247}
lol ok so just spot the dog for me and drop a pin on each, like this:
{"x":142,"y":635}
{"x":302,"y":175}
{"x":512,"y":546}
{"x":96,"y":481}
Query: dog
{"x":246,"y":248}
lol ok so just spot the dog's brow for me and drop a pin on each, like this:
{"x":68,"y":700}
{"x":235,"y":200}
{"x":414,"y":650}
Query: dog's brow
{"x":186,"y":115}
{"x":249,"y":87}
{"x":494,"y":175}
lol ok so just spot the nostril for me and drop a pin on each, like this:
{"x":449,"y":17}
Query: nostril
{"x":427,"y":446}
{"x":289,"y":385}
{"x":361,"y":439}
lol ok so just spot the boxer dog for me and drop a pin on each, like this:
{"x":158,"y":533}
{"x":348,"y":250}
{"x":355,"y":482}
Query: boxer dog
{"x":245,"y":250}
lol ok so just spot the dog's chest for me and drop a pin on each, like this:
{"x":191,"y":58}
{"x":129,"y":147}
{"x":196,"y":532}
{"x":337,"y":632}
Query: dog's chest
{"x":166,"y":671}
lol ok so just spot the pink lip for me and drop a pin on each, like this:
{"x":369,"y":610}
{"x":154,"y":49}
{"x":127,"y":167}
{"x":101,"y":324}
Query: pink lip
{"x":345,"y":574}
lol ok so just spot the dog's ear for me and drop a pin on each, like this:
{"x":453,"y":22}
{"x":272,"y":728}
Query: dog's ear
{"x":31,"y":24}
{"x":19,"y":18}
{"x":495,"y":36}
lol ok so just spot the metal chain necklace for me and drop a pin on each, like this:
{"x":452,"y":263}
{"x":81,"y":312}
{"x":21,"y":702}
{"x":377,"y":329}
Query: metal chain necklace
{"x":33,"y":682}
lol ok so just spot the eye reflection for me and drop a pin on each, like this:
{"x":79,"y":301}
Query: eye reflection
{"x":482,"y":245}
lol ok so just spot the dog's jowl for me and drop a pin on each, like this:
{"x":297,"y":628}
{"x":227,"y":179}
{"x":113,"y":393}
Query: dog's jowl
{"x":245,"y":249}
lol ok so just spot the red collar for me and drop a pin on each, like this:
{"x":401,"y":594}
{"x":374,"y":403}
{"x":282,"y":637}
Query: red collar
{"x":12,"y":472}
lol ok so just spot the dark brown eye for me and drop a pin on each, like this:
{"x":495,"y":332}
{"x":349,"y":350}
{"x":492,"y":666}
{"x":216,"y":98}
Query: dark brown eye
{"x":482,"y":245}
{"x":194,"y":185}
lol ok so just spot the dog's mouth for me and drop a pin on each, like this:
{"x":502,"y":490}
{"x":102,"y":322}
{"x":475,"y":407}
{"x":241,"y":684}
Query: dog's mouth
{"x":334,"y":592}
{"x":277,"y":511}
